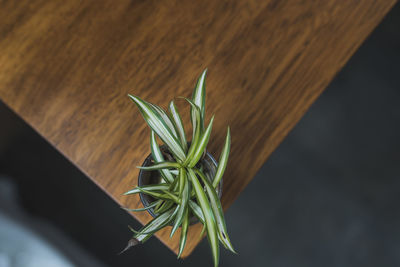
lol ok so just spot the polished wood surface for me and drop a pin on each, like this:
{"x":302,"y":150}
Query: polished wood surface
{"x":66,"y":68}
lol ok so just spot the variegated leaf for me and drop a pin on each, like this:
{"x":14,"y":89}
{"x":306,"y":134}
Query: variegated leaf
{"x":223,"y":159}
{"x":158,"y":157}
{"x":212,"y":232}
{"x":199,"y":96}
{"x":178,"y":124}
{"x":159,"y":126}
{"x":201,"y":146}
{"x":217,"y":211}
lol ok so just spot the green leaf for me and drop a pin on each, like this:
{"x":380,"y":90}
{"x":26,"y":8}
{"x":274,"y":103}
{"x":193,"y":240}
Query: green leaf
{"x":203,"y":230}
{"x":174,"y":186}
{"x":165,"y":206}
{"x":159,"y":195}
{"x":196,"y":132}
{"x":152,"y":205}
{"x":153,"y":187}
{"x":184,"y":198}
{"x":166,"y":118}
{"x":208,"y":216}
{"x":156,"y":224}
{"x":182,"y":180}
{"x":184,"y":230}
{"x":159,"y":205}
{"x":223,"y":159}
{"x":133,"y":230}
{"x":158,"y":157}
{"x":159,"y":126}
{"x":178,"y":124}
{"x":199,"y":96}
{"x":161,"y":165}
{"x":174,"y":172}
{"x":217,"y":211}
{"x":172,"y":196}
{"x":141,"y":232}
{"x":201,"y":145}
{"x":197,"y":211}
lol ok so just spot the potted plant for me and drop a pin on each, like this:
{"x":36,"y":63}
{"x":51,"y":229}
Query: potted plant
{"x":180,"y":183}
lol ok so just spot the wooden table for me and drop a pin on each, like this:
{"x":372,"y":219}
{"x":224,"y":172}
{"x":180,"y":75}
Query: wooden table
{"x":66,"y":68}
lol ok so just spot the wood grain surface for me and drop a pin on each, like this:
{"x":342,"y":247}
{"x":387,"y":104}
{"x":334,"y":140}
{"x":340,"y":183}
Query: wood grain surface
{"x":66,"y":68}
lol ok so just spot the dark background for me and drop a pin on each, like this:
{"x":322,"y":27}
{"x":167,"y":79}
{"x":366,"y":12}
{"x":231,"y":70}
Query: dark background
{"x":328,"y":196}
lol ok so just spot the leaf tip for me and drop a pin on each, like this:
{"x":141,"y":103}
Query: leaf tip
{"x":212,"y":118}
{"x":133,"y":97}
{"x":131,"y":243}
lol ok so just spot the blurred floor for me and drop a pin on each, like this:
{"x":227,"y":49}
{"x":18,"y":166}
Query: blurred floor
{"x":26,"y":241}
{"x":328,"y":196}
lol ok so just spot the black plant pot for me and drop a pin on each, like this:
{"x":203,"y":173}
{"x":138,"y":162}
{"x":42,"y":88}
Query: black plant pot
{"x":154,"y":177}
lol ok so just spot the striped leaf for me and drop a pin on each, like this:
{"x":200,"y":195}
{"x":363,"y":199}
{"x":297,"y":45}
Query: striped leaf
{"x":174,"y":172}
{"x":150,"y":230}
{"x":154,"y":187}
{"x":201,"y":145}
{"x":159,"y":195}
{"x":223,"y":159}
{"x":178,"y":124}
{"x":152,"y":205}
{"x":142,"y":232}
{"x":161,"y":165}
{"x":159,"y":126}
{"x":175,"y":185}
{"x":159,"y":205}
{"x":184,"y":197}
{"x":166,"y":118}
{"x":158,"y":158}
{"x":203,"y":230}
{"x":164,"y":207}
{"x":172,"y":196}
{"x":199,"y":96}
{"x":197,"y":211}
{"x":156,"y":224}
{"x":212,"y":232}
{"x":196,"y":132}
{"x":182,"y":180}
{"x":184,"y":230}
{"x":217,"y":211}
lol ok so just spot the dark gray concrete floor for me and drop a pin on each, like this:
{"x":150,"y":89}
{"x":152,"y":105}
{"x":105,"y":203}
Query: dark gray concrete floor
{"x":328,"y":196}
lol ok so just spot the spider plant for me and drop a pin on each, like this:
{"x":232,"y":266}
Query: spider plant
{"x":184,"y":190}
